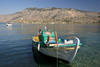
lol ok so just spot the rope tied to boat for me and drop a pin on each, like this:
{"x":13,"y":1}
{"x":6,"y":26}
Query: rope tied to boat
{"x":57,"y":53}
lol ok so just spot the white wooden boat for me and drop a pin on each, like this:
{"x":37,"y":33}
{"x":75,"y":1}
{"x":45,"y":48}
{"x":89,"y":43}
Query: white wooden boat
{"x":9,"y":24}
{"x":65,"y":50}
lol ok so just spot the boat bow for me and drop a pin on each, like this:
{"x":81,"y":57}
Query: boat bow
{"x":77,"y":41}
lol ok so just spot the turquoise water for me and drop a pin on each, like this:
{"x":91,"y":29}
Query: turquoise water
{"x":16,"y":45}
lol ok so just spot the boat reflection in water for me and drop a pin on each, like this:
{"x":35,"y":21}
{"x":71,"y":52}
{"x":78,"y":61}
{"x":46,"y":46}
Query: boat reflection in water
{"x":9,"y":26}
{"x":43,"y":60}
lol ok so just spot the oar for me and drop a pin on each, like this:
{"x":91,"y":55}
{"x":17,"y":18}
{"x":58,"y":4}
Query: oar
{"x":56,"y":37}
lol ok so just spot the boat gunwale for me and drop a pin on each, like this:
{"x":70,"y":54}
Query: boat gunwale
{"x":63,"y":45}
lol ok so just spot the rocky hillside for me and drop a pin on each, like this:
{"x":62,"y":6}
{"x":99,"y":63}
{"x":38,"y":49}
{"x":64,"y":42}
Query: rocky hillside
{"x":52,"y":15}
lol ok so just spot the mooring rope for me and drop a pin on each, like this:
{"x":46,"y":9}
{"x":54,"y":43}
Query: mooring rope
{"x":57,"y":54}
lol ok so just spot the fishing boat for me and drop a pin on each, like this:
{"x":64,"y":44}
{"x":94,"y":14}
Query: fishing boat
{"x":64,"y":49}
{"x":9,"y":24}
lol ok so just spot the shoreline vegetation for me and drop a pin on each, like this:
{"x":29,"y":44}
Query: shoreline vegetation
{"x":53,"y":22}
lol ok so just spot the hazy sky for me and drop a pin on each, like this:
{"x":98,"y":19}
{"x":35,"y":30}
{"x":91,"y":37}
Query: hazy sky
{"x":13,"y":6}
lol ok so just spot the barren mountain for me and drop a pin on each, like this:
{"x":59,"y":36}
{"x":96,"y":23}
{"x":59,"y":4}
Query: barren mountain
{"x":49,"y":15}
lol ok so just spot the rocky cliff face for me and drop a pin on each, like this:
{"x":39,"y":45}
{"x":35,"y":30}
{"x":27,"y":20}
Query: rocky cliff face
{"x":55,"y":15}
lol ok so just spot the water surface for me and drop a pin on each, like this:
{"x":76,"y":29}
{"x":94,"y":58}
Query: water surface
{"x":16,"y":45}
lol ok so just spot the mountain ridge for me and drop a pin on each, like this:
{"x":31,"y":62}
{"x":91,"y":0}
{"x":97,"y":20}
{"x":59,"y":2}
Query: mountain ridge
{"x":49,"y":15}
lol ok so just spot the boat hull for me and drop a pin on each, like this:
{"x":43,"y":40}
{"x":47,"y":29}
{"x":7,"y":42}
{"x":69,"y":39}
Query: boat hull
{"x":66,"y":53}
{"x":9,"y":24}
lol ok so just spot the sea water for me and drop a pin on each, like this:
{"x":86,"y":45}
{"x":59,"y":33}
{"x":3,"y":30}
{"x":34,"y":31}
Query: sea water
{"x":16,"y":45}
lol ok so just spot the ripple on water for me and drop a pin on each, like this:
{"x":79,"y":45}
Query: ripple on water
{"x":16,"y":45}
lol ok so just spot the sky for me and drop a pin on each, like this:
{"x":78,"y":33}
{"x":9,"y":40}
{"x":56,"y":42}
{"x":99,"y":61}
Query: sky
{"x":13,"y":6}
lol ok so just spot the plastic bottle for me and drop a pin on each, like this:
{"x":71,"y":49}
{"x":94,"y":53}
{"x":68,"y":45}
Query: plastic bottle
{"x":65,"y":41}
